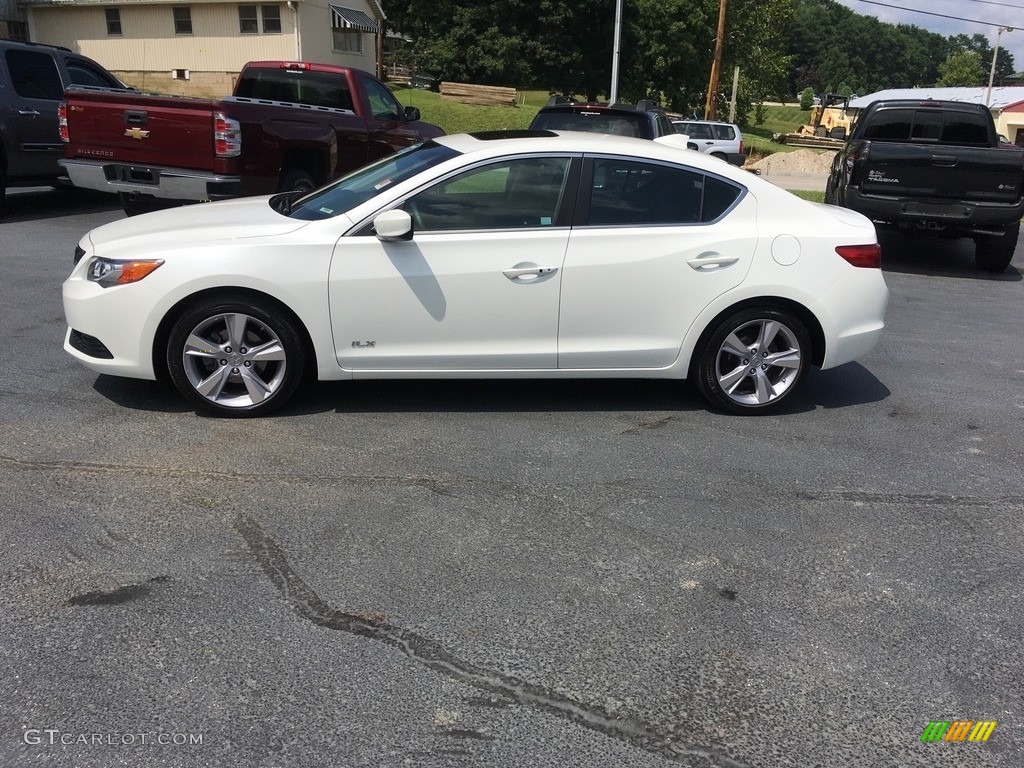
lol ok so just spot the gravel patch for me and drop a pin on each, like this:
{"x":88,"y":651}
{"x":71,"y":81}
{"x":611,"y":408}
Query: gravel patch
{"x":798,"y":161}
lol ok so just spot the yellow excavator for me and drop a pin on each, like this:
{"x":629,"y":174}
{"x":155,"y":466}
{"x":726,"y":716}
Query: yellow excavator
{"x":831,"y":121}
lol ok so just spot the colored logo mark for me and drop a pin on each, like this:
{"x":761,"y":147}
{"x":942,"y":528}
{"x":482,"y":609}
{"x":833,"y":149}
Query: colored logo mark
{"x":958,"y":730}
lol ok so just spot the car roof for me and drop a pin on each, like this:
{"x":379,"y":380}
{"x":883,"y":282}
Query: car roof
{"x":498,"y":143}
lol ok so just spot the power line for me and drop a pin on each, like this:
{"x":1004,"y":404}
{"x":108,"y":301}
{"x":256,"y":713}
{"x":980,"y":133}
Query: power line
{"x":932,"y":13}
{"x":1003,"y":5}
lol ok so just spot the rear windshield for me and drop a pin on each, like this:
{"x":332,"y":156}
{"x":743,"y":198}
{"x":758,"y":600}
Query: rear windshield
{"x":318,"y":89}
{"x":928,"y":125}
{"x":593,"y":122}
{"x":366,"y":183}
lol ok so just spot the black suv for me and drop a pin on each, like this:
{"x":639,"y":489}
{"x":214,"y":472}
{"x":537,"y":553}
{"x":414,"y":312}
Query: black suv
{"x":646,"y":120}
{"x":32,"y":82}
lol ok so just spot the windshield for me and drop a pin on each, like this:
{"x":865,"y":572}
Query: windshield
{"x":366,"y":183}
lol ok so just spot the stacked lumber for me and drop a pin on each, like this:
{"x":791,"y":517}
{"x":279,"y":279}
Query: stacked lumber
{"x":490,"y":95}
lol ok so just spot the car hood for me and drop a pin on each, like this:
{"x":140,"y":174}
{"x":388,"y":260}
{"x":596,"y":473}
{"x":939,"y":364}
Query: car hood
{"x":202,"y":223}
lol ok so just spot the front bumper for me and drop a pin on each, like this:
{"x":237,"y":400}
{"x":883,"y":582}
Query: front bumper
{"x":106,"y":329}
{"x":158,"y":181}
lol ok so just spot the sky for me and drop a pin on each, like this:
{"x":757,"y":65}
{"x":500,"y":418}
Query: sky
{"x":994,"y":14}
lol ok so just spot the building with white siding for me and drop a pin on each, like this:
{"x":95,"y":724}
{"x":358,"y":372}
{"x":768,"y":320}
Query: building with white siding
{"x":198,"y":48}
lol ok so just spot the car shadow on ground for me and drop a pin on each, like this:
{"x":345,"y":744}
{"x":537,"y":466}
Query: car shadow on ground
{"x":36,"y":203}
{"x":843,"y":387}
{"x":937,"y":257}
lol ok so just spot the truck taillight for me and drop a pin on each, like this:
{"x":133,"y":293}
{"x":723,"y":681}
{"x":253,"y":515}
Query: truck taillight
{"x":304,"y":65}
{"x":227,"y":136}
{"x":869,"y":256}
{"x":62,"y":122}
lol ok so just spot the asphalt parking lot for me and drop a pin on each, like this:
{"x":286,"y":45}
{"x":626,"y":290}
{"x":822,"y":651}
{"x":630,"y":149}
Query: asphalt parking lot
{"x":515,"y":573}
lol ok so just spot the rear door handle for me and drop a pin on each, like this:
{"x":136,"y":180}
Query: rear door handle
{"x":710,"y":261}
{"x":533,"y":271}
{"x":28,"y":112}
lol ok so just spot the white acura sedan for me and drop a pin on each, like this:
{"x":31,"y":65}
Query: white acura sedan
{"x":493,"y":255}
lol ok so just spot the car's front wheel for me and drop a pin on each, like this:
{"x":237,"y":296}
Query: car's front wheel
{"x":753,"y":360}
{"x":235,"y":356}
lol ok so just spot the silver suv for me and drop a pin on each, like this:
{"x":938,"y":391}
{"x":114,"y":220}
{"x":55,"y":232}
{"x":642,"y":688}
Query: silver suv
{"x":722,"y":140}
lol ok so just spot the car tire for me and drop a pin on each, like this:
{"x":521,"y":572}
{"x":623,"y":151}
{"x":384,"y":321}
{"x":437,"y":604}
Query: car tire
{"x":726,"y":373}
{"x":297,"y":180}
{"x":236,"y":356}
{"x":3,"y":186}
{"x":993,"y":253}
{"x":720,"y":156}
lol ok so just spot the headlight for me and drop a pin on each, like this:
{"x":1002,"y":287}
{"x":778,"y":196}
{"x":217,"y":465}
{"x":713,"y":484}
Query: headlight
{"x":109,"y":272}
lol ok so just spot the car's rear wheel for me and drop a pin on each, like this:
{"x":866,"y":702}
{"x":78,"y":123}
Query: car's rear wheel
{"x":719,"y":155}
{"x":993,"y":253}
{"x":236,"y":356}
{"x":753,"y":360}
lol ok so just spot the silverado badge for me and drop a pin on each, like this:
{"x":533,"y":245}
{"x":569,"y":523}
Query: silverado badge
{"x":136,"y":133}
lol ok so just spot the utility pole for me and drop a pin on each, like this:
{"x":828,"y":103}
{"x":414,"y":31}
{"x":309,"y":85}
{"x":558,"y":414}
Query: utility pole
{"x":992,"y":71}
{"x":716,"y":64}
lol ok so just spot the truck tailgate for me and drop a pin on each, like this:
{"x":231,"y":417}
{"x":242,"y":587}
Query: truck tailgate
{"x":951,"y":172}
{"x":139,"y":128}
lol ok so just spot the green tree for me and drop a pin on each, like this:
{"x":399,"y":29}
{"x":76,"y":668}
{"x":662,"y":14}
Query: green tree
{"x":806,"y":99}
{"x":962,"y":68}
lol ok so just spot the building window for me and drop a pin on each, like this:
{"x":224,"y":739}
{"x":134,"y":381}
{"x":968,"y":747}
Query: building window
{"x":182,"y":20}
{"x":248,"y":24}
{"x":18,"y":30}
{"x":271,"y":18}
{"x":113,"y":21}
{"x":348,"y":40}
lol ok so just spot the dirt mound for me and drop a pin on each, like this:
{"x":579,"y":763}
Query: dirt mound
{"x":798,"y":161}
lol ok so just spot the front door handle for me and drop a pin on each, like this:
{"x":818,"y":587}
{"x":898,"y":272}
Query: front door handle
{"x":528,"y":273}
{"x":28,"y":112}
{"x":709,"y":261}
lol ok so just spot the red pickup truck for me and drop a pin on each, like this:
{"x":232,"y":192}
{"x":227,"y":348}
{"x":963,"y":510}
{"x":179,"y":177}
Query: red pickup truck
{"x":288,"y":126}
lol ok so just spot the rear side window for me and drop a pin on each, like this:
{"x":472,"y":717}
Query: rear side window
{"x":630,"y":192}
{"x":83,"y":73}
{"x":724,"y":132}
{"x":318,"y":89}
{"x":34,"y":75}
{"x":592,"y":122}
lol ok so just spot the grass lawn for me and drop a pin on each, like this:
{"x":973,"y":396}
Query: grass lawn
{"x":814,"y":197}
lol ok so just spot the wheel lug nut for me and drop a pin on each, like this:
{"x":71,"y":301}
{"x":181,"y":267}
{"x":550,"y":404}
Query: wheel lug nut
{"x":228,"y":350}
{"x":242,"y":350}
{"x":223,"y":362}
{"x":746,"y":362}
{"x":234,"y":370}
{"x":248,"y":364}
{"x":764,"y":367}
{"x":753,"y":371}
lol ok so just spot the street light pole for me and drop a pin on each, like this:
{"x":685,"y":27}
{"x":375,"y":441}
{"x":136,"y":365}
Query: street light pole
{"x":613,"y":94}
{"x":992,"y":71}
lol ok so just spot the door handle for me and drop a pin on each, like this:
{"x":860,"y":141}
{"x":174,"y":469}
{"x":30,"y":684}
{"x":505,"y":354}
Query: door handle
{"x":710,"y":261}
{"x":527,"y":272}
{"x":28,"y":112}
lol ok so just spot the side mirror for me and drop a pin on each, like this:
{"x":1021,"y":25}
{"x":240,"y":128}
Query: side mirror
{"x":393,"y":226}
{"x":412,"y":113}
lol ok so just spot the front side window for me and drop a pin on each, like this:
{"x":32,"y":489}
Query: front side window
{"x":182,"y":20}
{"x":248,"y":24}
{"x":347,"y":40}
{"x":113,"y":16}
{"x":383,"y":103}
{"x":271,"y":18}
{"x":34,"y":75}
{"x":629,"y":192}
{"x":513,"y":194}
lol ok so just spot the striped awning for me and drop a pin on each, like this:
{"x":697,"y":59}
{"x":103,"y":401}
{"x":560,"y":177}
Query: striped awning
{"x":347,"y":18}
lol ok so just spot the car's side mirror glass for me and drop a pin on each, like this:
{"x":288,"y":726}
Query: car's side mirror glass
{"x":393,"y":225}
{"x":412,"y":113}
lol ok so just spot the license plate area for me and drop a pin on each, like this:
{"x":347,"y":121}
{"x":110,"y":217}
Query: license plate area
{"x":136,"y":174}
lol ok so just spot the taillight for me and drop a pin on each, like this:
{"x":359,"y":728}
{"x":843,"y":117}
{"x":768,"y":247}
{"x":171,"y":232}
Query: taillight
{"x":743,"y":149}
{"x":227,"y":136}
{"x":62,"y":122}
{"x":869,"y":256}
{"x":304,"y":65}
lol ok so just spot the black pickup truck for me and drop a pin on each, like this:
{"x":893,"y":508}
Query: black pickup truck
{"x":934,"y":167}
